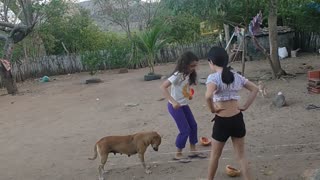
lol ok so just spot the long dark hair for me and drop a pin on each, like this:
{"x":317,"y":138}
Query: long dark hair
{"x":219,"y":57}
{"x":182,"y":66}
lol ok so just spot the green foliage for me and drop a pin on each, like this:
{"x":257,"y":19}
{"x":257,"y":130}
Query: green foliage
{"x":76,"y":31}
{"x":17,"y":52}
{"x":150,"y":42}
{"x":187,"y":15}
{"x":82,"y":35}
{"x":92,"y":61}
{"x":118,"y":49}
{"x":176,"y":22}
{"x":22,"y":49}
{"x":181,"y":28}
{"x":115,"y":54}
{"x":302,"y":15}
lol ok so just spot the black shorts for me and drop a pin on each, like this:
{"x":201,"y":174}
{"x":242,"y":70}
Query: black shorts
{"x":224,"y":127}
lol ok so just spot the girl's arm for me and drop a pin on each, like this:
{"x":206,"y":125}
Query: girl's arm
{"x":164,"y":88}
{"x":211,"y":89}
{"x":253,"y":93}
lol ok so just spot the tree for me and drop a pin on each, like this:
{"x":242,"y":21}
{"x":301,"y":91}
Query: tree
{"x":27,"y":14}
{"x":118,"y":12}
{"x":219,"y":13}
{"x":69,"y":29}
{"x":128,"y":14}
{"x":232,"y":17}
{"x":298,"y":14}
{"x":181,"y":28}
{"x":52,"y":29}
{"x":150,"y":42}
{"x":273,"y":39}
{"x":148,"y":12}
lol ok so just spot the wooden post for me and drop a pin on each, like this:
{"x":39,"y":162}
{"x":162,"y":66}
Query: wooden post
{"x":244,"y":52}
{"x":227,"y":35}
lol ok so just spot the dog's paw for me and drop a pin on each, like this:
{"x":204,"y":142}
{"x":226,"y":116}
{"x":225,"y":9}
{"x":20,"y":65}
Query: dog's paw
{"x":101,"y":178}
{"x":148,"y":171}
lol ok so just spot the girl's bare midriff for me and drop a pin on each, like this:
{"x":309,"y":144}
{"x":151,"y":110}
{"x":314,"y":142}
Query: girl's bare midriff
{"x":230,"y":108}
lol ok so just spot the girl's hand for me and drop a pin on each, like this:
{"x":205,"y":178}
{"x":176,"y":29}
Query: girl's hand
{"x":242,"y":108}
{"x":176,"y":105}
{"x":217,"y":110}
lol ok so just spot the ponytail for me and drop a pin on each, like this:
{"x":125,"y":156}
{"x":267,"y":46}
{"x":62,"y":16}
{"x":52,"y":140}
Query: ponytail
{"x":227,"y":76}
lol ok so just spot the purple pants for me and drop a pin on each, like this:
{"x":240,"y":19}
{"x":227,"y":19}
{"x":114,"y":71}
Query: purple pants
{"x":186,"y":124}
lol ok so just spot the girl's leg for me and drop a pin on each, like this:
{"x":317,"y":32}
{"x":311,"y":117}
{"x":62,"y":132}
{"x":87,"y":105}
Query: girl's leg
{"x":238,"y":145}
{"x":216,"y":152}
{"x":183,"y":126}
{"x":193,"y":137}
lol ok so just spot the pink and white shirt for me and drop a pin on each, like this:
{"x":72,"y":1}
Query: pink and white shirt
{"x":226,"y":92}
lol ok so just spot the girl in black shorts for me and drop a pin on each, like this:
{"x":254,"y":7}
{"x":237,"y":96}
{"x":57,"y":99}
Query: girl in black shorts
{"x":222,"y":99}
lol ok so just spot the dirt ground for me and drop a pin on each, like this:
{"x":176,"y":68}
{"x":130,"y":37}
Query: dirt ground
{"x":48,"y":131}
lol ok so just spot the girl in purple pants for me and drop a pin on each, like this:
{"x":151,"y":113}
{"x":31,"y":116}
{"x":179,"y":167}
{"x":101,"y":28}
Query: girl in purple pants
{"x":180,"y":81}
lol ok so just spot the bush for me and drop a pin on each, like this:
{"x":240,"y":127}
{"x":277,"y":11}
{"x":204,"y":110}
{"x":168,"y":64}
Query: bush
{"x":115,"y":54}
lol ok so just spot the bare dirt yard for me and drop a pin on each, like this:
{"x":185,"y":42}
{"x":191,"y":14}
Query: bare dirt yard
{"x":48,"y":131}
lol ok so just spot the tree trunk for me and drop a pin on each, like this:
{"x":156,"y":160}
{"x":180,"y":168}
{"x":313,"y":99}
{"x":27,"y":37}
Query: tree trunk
{"x":8,"y":81}
{"x":128,"y":29}
{"x":6,"y":76}
{"x":227,"y":36}
{"x":25,"y":51}
{"x":273,"y":38}
{"x":151,"y":63}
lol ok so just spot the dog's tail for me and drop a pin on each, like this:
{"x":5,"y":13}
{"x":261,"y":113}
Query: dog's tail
{"x":95,"y":153}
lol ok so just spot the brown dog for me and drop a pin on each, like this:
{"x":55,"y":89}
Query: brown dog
{"x":129,"y":145}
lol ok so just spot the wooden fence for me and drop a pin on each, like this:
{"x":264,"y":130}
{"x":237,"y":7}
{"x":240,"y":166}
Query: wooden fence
{"x":309,"y":42}
{"x":47,"y":65}
{"x":57,"y":65}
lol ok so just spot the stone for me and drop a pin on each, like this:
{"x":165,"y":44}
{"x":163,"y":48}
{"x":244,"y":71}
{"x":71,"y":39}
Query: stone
{"x":131,"y":104}
{"x":152,"y":76}
{"x":93,"y":80}
{"x":203,"y":81}
{"x":279,"y":101}
{"x":123,"y":70}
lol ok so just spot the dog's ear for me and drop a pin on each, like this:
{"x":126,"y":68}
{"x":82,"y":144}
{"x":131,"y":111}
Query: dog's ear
{"x":158,"y":134}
